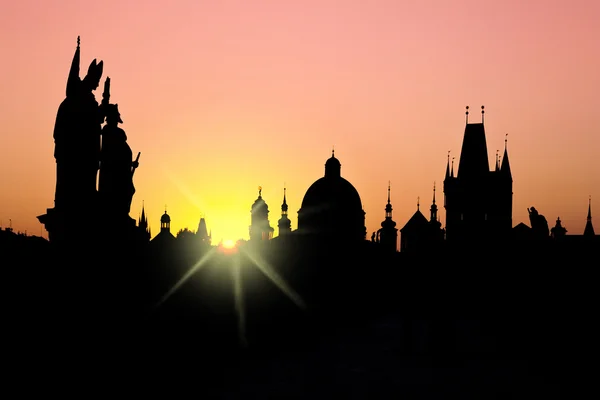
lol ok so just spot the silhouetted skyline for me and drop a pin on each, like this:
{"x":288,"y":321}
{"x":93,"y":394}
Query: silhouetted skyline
{"x":221,"y":101}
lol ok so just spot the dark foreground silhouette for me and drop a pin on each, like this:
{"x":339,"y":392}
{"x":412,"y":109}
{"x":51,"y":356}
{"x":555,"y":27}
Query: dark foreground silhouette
{"x":355,"y":321}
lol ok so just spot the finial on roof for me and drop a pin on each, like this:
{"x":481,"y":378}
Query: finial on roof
{"x":78,"y":41}
{"x":505,"y":141}
{"x":467,"y":115}
{"x":332,"y":151}
{"x":418,"y":203}
{"x":482,"y":113}
{"x":259,"y":191}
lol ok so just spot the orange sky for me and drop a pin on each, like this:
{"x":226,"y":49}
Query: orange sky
{"x":223,"y":96}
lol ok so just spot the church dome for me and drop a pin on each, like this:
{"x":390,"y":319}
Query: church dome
{"x":165,"y":218}
{"x":332,"y":205}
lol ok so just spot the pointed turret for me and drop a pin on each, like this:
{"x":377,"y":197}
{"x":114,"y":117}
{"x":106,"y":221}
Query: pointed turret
{"x":448,"y":166}
{"x":202,"y":232}
{"x":589,"y":228}
{"x":505,"y":168}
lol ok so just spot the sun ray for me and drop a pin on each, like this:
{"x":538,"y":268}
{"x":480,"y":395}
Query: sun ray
{"x":264,"y":266}
{"x":239,"y":301}
{"x":193,"y":269}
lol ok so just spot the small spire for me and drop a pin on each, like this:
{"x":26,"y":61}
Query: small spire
{"x":589,"y":216}
{"x":452,"y":171}
{"x":497,"y":160}
{"x":418,"y":203}
{"x":78,"y":41}
{"x":332,"y":151}
{"x":482,"y":113}
{"x":259,"y":191}
{"x":467,"y":115}
{"x":389,"y":188}
{"x":448,"y":165}
{"x":433,"y":192}
{"x":165,"y":208}
{"x":505,"y":141}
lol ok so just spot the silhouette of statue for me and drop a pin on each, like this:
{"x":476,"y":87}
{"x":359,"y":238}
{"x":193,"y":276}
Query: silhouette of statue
{"x":115,"y":186}
{"x":373,"y":237}
{"x":539,"y":225}
{"x":77,"y":138}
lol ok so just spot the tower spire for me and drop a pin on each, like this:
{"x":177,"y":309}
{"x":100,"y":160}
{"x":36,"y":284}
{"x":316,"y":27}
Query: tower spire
{"x":448,"y":165}
{"x":482,"y":113}
{"x":589,"y":228}
{"x":452,"y":171}
{"x":467,"y":115}
{"x":418,"y":203}
{"x":389,"y":187}
{"x":434,"y":208}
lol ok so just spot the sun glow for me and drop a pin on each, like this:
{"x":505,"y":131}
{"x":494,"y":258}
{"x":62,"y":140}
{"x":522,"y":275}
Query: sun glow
{"x":228,"y":244}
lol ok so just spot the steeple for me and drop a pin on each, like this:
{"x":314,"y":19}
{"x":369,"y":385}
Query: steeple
{"x":589,"y":228}
{"x":448,"y":166}
{"x":433,"y":208}
{"x":284,"y":224}
{"x":388,"y":206}
{"x":505,"y":168}
{"x":143,"y":222}
{"x":452,"y":170}
{"x":202,"y":232}
{"x":388,"y":234}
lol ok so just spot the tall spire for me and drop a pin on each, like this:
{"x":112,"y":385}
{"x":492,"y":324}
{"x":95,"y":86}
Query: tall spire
{"x":467,"y":115}
{"x":284,"y":224}
{"x":505,"y":166}
{"x":482,"y":113}
{"x":433,"y":209}
{"x":284,"y":206}
{"x":589,"y":228}
{"x":448,"y":165}
{"x":388,"y":206}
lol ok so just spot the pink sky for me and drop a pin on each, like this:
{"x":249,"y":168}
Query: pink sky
{"x":223,"y":96}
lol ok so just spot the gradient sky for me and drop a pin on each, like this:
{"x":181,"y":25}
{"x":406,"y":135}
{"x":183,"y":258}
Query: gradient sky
{"x":223,"y":96}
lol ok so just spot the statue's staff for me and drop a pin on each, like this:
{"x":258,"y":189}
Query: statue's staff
{"x":136,"y":163}
{"x":106,"y":93}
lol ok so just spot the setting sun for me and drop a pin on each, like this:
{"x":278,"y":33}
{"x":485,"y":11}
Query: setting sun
{"x":228,"y":244}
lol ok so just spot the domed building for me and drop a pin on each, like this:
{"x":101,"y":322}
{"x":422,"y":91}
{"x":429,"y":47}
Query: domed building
{"x":332,"y":207}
